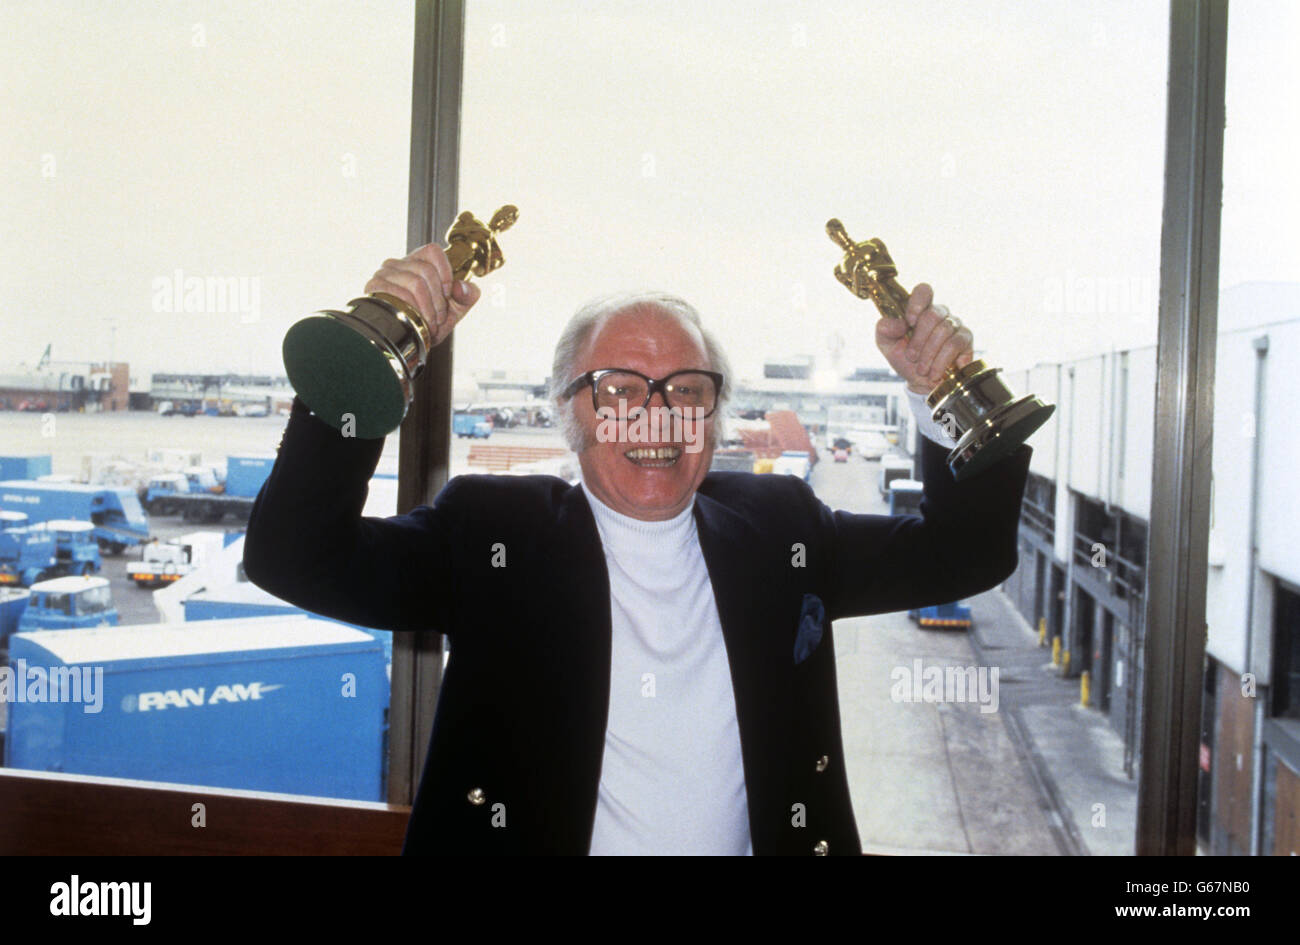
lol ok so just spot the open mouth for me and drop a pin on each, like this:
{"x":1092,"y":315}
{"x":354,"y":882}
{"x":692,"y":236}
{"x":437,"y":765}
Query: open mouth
{"x":657,"y":457}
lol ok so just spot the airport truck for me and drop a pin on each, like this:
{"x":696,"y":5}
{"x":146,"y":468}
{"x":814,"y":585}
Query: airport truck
{"x":68,"y":603}
{"x":159,"y":496}
{"x":905,"y":499}
{"x":475,"y":425}
{"x":286,"y":704}
{"x":161,"y":563}
{"x":158,"y":493}
{"x":76,"y":550}
{"x":119,"y":520}
{"x":201,"y":500}
{"x":27,"y":555}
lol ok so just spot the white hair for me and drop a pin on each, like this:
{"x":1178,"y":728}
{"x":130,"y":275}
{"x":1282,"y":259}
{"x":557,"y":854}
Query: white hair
{"x":590,"y":317}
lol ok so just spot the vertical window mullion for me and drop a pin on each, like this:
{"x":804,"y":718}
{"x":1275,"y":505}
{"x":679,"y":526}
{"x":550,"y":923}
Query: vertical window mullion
{"x":425,"y":445}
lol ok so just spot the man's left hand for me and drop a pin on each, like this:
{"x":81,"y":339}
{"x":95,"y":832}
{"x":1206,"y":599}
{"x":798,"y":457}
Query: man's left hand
{"x":938,"y":341}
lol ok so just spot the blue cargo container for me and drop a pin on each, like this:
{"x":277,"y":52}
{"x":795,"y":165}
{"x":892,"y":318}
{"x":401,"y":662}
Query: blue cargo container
{"x":25,"y":467}
{"x":286,"y":704}
{"x":245,"y":599}
{"x":245,"y":474}
{"x":115,"y":510}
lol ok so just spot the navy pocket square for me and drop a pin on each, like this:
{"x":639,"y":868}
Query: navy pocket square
{"x":812,"y":618}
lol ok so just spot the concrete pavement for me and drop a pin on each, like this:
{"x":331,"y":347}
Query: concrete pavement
{"x":1036,"y":775}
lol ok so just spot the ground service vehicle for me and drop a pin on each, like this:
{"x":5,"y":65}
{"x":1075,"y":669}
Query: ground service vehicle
{"x":68,"y":603}
{"x":162,"y":563}
{"x":158,"y":496}
{"x":199,"y":498}
{"x":76,"y":550}
{"x":27,"y":555}
{"x":474,"y":425}
{"x":115,"y":511}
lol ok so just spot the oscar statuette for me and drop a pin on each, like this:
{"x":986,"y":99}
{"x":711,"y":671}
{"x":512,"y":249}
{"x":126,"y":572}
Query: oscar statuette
{"x":972,"y":403}
{"x":354,"y":369}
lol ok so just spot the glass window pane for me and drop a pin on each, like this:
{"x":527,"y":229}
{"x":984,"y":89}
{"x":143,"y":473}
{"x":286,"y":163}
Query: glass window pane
{"x":190,"y":180}
{"x":1011,"y":156}
{"x":1248,"y":786}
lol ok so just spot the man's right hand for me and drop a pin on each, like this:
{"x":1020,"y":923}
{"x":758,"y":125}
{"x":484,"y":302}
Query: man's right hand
{"x":423,"y":280}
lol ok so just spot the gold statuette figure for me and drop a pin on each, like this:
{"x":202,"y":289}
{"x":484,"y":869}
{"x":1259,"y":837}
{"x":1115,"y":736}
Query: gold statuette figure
{"x":472,"y":246}
{"x":971,"y":403}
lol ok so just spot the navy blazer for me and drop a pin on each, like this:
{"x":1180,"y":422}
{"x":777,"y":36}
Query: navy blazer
{"x":522,"y":712}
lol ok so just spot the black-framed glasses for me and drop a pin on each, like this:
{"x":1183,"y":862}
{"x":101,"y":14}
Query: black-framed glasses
{"x":622,"y":389}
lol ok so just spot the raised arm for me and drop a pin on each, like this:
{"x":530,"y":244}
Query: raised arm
{"x":964,"y":541}
{"x":307,"y":541}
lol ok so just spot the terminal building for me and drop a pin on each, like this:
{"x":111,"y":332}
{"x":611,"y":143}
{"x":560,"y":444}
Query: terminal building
{"x":221,"y":392}
{"x":1083,"y":552}
{"x":61,"y":386}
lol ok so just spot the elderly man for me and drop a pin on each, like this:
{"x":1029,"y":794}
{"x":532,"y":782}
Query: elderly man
{"x":643,"y":662}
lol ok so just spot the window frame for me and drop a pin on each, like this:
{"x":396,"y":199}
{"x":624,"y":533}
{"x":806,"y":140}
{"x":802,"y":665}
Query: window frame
{"x":50,"y":813}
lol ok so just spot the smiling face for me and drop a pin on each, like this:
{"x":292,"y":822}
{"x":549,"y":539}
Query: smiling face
{"x":657,"y":479}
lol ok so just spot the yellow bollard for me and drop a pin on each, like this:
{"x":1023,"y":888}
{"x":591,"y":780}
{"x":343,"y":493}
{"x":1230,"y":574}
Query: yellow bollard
{"x":1065,"y":663}
{"x":1085,"y":685}
{"x":1042,"y":631}
{"x":1056,"y":651}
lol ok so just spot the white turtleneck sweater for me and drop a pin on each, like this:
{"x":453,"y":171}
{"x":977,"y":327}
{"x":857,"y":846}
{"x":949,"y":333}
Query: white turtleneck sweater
{"x":672,"y":780}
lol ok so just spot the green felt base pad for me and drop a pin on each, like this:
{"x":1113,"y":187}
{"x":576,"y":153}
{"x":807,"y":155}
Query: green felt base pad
{"x":338,"y":373}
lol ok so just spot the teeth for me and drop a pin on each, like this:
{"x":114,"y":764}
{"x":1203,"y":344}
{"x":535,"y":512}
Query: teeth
{"x":658,"y":453}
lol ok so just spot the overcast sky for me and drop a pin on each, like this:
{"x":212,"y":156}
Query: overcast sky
{"x":1009,"y":153}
